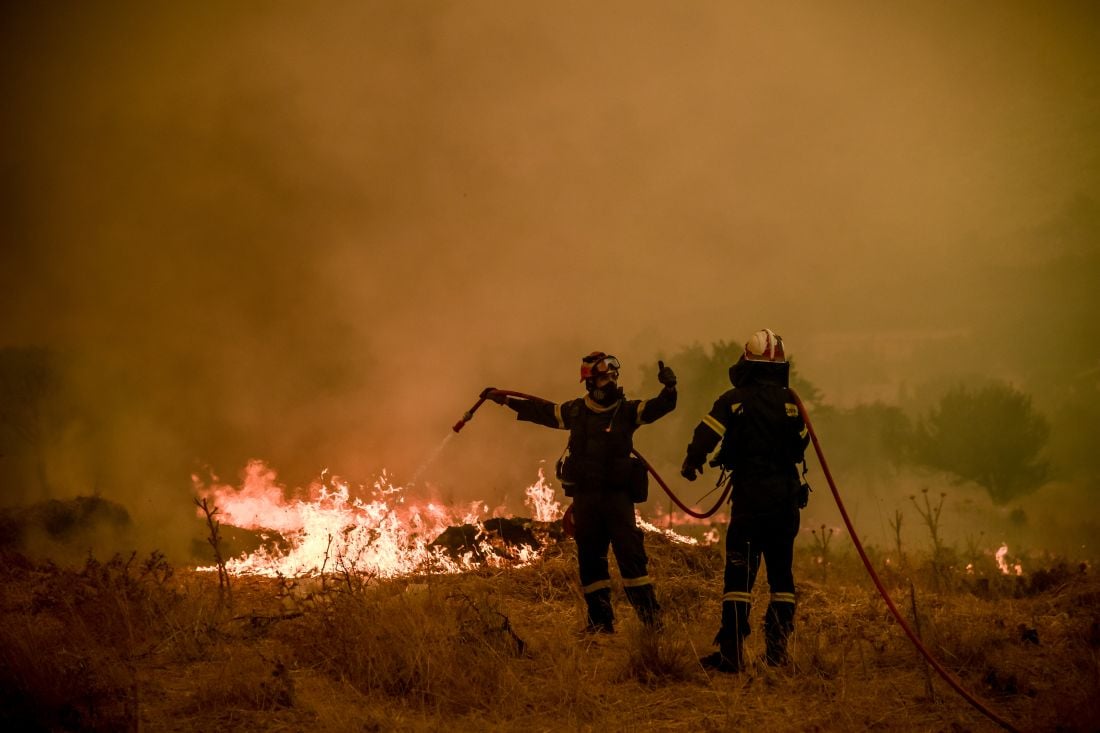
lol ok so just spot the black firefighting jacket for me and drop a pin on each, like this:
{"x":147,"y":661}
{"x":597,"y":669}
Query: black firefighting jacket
{"x":762,"y":435}
{"x":600,"y":438}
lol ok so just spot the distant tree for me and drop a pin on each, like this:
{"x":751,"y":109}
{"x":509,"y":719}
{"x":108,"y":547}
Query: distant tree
{"x":1058,"y":355}
{"x":869,"y":439}
{"x":990,"y":435}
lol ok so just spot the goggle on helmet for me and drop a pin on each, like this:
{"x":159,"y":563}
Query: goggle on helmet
{"x":598,"y":364}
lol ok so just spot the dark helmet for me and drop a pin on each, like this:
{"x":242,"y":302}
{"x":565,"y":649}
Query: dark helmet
{"x":598,"y":364}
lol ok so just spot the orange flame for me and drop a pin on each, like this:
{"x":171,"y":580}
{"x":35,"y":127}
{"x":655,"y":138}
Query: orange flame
{"x":540,"y":497}
{"x":385,"y":536}
{"x":1005,"y":568}
{"x":673,"y":534}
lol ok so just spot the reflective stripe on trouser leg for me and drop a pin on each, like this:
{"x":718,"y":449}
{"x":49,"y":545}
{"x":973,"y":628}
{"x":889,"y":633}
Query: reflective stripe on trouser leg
{"x":735,"y":616}
{"x":731,"y":636}
{"x":778,"y":625}
{"x":600,"y":612}
{"x":779,"y":619}
{"x":597,"y":585}
{"x":597,"y":598}
{"x":592,"y":562}
{"x":640,"y":593}
{"x":742,"y":565}
{"x":637,"y":582}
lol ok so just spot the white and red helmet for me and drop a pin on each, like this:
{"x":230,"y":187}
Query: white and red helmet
{"x":765,"y":345}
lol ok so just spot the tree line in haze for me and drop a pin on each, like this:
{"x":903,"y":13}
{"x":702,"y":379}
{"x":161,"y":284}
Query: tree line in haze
{"x":65,"y":416}
{"x":988,"y":433}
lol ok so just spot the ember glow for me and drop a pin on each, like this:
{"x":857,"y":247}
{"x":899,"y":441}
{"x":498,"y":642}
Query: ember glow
{"x":333,"y":530}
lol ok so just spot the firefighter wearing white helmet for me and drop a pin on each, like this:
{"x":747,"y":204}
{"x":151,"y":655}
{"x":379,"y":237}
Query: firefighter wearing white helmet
{"x":761,"y":437}
{"x":605,"y":481}
{"x":765,"y":345}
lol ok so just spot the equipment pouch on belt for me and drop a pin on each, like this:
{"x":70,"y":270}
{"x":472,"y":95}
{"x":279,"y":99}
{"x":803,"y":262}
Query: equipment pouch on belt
{"x":803,"y":494}
{"x":566,"y":473}
{"x":804,"y":489}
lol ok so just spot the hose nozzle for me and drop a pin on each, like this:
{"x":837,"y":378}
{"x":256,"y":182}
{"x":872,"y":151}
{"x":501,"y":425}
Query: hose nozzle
{"x":468,"y":415}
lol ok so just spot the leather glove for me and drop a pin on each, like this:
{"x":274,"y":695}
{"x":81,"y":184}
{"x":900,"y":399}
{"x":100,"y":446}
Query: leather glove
{"x":665,"y":375}
{"x":689,"y":470}
{"x":492,"y":393}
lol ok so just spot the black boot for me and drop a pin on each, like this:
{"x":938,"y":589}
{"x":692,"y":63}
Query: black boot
{"x":644,"y":601}
{"x":730,"y":657}
{"x":778,"y":625}
{"x":601,"y":617}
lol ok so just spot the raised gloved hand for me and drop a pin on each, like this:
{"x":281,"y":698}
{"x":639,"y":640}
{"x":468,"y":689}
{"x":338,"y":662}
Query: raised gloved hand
{"x":665,"y":375}
{"x":690,"y":470}
{"x":494,"y":394}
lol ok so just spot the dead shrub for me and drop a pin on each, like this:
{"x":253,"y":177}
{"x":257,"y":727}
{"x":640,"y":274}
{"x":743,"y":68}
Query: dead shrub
{"x":125,"y":602}
{"x":551,"y":580}
{"x":70,"y":645}
{"x":425,"y":647}
{"x":658,"y":658}
{"x":54,"y":676}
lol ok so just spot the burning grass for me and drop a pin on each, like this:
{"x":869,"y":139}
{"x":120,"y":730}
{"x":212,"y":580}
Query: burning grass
{"x":134,"y":643}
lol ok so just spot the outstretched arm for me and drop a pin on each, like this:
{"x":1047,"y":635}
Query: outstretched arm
{"x":541,"y":412}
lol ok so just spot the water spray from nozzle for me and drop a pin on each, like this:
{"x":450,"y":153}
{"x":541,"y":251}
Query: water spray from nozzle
{"x":431,"y":458}
{"x":466,"y":417}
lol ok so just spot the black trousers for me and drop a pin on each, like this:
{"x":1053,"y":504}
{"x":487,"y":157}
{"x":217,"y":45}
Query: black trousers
{"x":605,"y":520}
{"x":750,"y":539}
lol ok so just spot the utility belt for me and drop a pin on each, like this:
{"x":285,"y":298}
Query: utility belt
{"x":622,"y":474}
{"x":758,"y":489}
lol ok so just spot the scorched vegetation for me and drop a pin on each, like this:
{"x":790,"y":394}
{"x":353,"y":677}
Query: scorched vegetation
{"x":133,"y":643}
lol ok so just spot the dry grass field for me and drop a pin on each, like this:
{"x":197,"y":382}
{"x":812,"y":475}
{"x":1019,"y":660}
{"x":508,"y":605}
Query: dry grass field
{"x":133,"y":643}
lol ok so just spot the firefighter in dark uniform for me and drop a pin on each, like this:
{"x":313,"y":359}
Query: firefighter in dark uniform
{"x":763,"y":438}
{"x":604,"y":480}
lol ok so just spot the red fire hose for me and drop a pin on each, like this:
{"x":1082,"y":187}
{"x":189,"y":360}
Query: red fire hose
{"x":688,"y":510}
{"x":947,"y":676}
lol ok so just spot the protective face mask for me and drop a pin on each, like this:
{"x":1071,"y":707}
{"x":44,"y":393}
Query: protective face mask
{"x":606,"y":395}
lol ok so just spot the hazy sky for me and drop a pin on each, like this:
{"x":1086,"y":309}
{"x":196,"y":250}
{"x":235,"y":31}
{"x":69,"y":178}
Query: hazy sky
{"x":312,"y":232}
